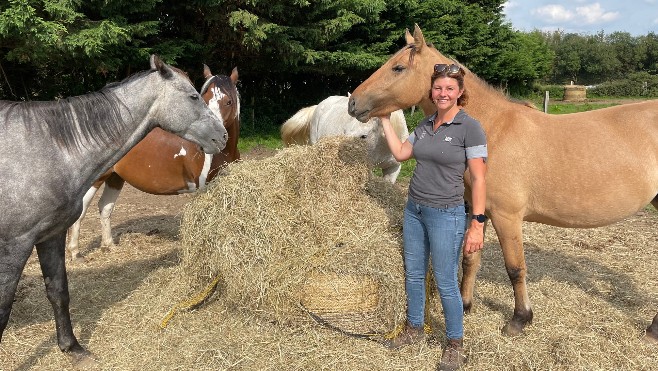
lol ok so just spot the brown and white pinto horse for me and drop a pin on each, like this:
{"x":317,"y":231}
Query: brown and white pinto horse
{"x":165,"y":164}
{"x":578,"y":170}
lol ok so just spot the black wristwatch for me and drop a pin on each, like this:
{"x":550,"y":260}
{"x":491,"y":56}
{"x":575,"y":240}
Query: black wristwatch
{"x":479,"y":217}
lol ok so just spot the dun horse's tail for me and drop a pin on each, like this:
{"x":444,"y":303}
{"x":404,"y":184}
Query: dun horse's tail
{"x":297,"y":129}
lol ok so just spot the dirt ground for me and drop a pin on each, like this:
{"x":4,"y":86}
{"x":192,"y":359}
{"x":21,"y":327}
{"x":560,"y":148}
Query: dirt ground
{"x":146,"y":232}
{"x":609,"y":273}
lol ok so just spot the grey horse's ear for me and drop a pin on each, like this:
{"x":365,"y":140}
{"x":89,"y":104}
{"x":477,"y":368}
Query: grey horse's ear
{"x":160,"y":66}
{"x":155,"y":61}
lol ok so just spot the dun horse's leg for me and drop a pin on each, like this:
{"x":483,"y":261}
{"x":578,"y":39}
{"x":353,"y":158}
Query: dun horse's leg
{"x":52,"y":260}
{"x":113,"y":185}
{"x":470,"y":267}
{"x":509,"y":230}
{"x":12,"y":262}
{"x":652,"y":331}
{"x":74,"y":231}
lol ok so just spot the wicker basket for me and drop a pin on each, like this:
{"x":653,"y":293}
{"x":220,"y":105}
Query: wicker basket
{"x":347,"y":302}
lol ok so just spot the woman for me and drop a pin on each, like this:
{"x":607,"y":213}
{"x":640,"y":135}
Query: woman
{"x":444,"y":144}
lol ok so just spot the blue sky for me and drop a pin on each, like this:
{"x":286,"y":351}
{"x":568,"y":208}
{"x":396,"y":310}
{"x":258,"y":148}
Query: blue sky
{"x":637,"y":17}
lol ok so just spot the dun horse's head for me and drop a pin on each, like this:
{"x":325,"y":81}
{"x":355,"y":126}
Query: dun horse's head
{"x":401,"y":82}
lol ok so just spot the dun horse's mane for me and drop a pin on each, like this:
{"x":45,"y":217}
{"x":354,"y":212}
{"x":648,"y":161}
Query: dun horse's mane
{"x":495,"y":91}
{"x":485,"y":85}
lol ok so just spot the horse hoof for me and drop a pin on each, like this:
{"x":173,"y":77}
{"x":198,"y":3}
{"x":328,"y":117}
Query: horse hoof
{"x":108,"y":247}
{"x":650,"y":337}
{"x":512,"y":329}
{"x":82,"y":359}
{"x":78,"y":259}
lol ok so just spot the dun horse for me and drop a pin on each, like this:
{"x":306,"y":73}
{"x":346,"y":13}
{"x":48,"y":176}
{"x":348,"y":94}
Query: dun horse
{"x":52,"y":152}
{"x":330,"y":118}
{"x":165,"y":164}
{"x":578,"y":170}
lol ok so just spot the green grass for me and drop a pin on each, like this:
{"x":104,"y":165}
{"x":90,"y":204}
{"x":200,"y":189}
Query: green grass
{"x":576,"y":107}
{"x":250,"y":141}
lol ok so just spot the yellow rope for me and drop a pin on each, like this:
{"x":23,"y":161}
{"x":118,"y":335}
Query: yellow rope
{"x":192,"y":302}
{"x":427,"y":327}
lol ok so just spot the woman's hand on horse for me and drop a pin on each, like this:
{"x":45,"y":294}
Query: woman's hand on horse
{"x":385,"y":117}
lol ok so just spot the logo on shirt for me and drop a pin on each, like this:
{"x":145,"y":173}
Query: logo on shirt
{"x":448,"y":139}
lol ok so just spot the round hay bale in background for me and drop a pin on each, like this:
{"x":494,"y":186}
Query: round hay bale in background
{"x":575,"y":93}
{"x":309,"y":229}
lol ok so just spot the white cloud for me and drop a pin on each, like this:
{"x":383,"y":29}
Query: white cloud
{"x":553,"y":13}
{"x":595,"y":14}
{"x":511,"y":4}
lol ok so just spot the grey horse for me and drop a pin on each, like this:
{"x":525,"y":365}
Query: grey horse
{"x":52,"y":152}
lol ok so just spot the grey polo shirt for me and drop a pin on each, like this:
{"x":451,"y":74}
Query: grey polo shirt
{"x":438,"y":179}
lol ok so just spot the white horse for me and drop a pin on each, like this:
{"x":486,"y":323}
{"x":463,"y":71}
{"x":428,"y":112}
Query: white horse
{"x":330,"y":118}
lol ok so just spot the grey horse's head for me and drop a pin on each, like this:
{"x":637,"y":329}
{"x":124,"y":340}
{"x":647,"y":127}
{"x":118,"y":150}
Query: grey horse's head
{"x":179,"y":109}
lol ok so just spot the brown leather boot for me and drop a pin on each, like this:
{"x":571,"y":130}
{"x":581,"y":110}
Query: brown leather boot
{"x":453,"y":357}
{"x":410,"y":335}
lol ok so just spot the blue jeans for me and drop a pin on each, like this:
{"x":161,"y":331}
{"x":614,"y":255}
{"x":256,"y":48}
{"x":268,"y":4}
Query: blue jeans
{"x":438,"y":232}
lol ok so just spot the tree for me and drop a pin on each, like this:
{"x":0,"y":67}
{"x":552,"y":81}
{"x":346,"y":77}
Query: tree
{"x":568,"y":57}
{"x":649,"y":55}
{"x":475,"y":33}
{"x":55,"y":48}
{"x":627,"y":50}
{"x":290,"y":53}
{"x":295,"y":53}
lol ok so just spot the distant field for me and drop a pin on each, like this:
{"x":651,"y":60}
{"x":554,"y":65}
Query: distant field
{"x":563,"y":108}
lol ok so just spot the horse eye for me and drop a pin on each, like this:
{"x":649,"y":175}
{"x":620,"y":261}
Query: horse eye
{"x":398,"y":68}
{"x":194,"y":96}
{"x":364,"y":136}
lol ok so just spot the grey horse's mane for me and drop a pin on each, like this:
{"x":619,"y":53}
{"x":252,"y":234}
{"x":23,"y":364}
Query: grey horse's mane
{"x":77,"y":122}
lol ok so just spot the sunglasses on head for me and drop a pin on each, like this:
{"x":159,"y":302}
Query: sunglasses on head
{"x":450,"y":69}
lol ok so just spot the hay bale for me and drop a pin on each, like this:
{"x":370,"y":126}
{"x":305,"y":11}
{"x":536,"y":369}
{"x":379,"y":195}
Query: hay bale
{"x":309,"y":229}
{"x":574,"y":93}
